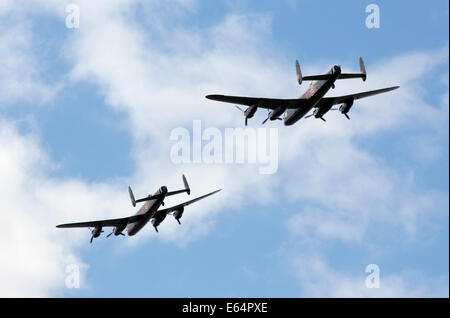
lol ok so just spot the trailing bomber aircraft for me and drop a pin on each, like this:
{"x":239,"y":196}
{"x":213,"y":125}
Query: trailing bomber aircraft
{"x":148,"y":212}
{"x":313,"y":97}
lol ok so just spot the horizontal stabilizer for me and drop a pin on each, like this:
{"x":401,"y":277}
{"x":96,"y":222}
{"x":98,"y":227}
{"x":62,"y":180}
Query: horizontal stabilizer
{"x":321,"y":77}
{"x":148,"y":198}
{"x":186,"y":188}
{"x":362,"y":72}
{"x":301,"y":78}
{"x":351,"y":75}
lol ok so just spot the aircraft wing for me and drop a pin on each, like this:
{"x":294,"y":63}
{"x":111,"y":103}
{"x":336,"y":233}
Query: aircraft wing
{"x":176,"y":207}
{"x":341,"y":99}
{"x":103,"y":223}
{"x":269,"y":103}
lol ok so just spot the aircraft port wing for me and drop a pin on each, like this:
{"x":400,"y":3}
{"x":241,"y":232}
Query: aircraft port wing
{"x":182,"y":205}
{"x":342,"y":99}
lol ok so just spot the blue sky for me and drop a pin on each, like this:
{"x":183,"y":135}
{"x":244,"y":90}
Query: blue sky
{"x":86,"y":112}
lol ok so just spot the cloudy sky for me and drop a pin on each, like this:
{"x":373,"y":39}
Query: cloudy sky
{"x":85,"y":112}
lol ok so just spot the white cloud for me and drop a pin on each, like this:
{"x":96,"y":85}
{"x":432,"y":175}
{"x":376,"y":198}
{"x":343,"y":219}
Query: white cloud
{"x":34,"y":252}
{"x":319,"y":279}
{"x":21,"y":74}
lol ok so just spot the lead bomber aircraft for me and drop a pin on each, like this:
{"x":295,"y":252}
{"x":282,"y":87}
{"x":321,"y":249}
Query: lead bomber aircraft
{"x":148,"y":212}
{"x":313,"y":97}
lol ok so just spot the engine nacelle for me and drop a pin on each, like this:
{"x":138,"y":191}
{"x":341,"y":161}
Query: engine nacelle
{"x":336,"y":69}
{"x":119,"y":229}
{"x":277,"y":112}
{"x":316,"y":112}
{"x":178,"y":214}
{"x":250,"y":111}
{"x":158,"y":218}
{"x":345,"y":108}
{"x":96,"y":231}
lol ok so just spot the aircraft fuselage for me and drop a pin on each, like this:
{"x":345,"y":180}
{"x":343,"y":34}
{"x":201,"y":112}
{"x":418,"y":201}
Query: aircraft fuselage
{"x":150,"y":212}
{"x":313,"y":95}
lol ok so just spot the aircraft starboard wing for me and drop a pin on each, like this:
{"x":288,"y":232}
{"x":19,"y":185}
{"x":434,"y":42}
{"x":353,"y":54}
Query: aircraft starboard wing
{"x":268,"y":103}
{"x":103,"y":223}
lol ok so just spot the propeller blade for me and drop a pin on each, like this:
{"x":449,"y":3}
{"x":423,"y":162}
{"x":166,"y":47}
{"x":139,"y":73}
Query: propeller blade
{"x":241,"y":111}
{"x":323,"y":119}
{"x":265,"y":120}
{"x":110,"y":234}
{"x":92,"y":237}
{"x":122,"y":234}
{"x":347,"y":116}
{"x":309,"y":116}
{"x":178,"y":221}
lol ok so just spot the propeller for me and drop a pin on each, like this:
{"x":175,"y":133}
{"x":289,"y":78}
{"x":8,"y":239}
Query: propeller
{"x":278,"y":118}
{"x":268,"y":117}
{"x":268,"y":114}
{"x":113,"y":232}
{"x":246,"y":119}
{"x":310,"y":115}
{"x":92,"y":237}
{"x":345,"y":114}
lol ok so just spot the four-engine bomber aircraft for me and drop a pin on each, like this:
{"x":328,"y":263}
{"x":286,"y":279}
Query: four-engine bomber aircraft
{"x":313,"y":97}
{"x":148,"y":212}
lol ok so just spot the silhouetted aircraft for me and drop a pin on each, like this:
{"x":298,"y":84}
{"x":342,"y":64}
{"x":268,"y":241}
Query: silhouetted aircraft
{"x":148,"y":212}
{"x":313,"y":97}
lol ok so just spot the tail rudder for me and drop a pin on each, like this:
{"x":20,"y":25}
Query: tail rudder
{"x":133,"y":200}
{"x":299,"y":72}
{"x":186,"y":185}
{"x":362,"y":69}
